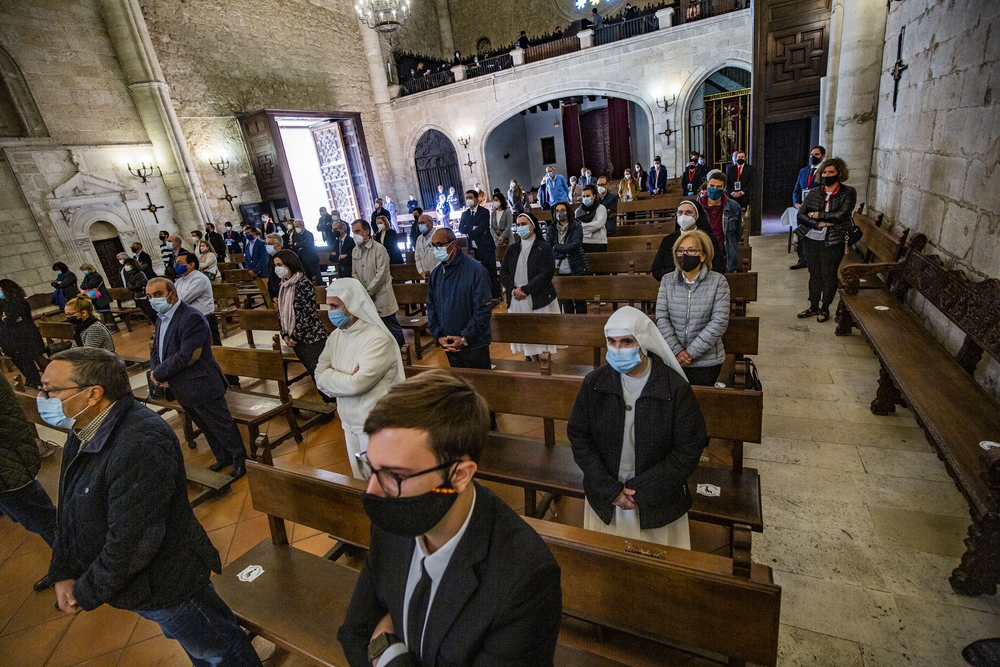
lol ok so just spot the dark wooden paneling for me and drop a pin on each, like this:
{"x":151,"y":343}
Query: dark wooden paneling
{"x":264,"y":156}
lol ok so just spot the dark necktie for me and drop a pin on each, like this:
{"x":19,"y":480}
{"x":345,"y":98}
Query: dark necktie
{"x":418,"y":612}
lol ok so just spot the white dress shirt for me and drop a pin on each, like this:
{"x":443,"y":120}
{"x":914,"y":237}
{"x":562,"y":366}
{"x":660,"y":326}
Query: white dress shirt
{"x":195,"y":289}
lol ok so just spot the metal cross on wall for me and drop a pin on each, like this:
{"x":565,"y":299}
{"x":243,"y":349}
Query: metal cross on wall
{"x":152,"y":208}
{"x":898,"y":68}
{"x":229,"y":198}
{"x":470,"y":162}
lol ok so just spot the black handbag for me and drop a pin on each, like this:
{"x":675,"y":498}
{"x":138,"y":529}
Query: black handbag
{"x":156,"y":391}
{"x":854,"y":234}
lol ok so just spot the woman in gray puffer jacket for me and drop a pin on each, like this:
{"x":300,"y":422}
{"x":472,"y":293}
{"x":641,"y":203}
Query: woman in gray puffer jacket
{"x":692,"y":309}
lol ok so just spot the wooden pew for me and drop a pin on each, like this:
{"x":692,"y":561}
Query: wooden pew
{"x":250,"y":288}
{"x":917,"y":371}
{"x":54,"y":332}
{"x":42,"y":303}
{"x":404,"y":273}
{"x":877,"y":244}
{"x":227,"y":302}
{"x":731,"y":415}
{"x":740,"y":339}
{"x":414,"y":296}
{"x":610,"y":263}
{"x":213,"y":483}
{"x":643,"y":288}
{"x":123,"y":312}
{"x":707,"y":602}
{"x":228,"y":266}
{"x":635,"y":243}
{"x":646,"y":229}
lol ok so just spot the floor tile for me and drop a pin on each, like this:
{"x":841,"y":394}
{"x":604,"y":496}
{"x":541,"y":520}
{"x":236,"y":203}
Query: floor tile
{"x":156,"y":652}
{"x":222,"y":539}
{"x":224,"y":511}
{"x":925,"y":576}
{"x":107,"y":660}
{"x":828,"y":554}
{"x":805,"y":453}
{"x":92,"y":634}
{"x":144,"y":629}
{"x":818,"y":485}
{"x":36,"y":608}
{"x":10,"y":602}
{"x":803,"y":648}
{"x":920,"y":465}
{"x":873,"y":656}
{"x":940,"y":630}
{"x":21,"y":571}
{"x":920,"y":531}
{"x":845,"y":433}
{"x":912,"y":494}
{"x":34,"y":645}
{"x":248,"y":534}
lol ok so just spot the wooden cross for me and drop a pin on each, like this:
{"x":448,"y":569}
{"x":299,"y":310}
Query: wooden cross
{"x":152,"y":208}
{"x":470,"y":162}
{"x":667,"y":132}
{"x":898,"y":68}
{"x":229,"y":198}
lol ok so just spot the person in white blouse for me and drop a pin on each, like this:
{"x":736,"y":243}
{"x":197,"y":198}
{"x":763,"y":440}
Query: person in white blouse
{"x":592,"y":216}
{"x":423,"y":251}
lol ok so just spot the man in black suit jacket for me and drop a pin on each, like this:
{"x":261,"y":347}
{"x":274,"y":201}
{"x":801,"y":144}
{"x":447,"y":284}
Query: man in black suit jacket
{"x":216,"y":241}
{"x":144,"y":260}
{"x":475,"y":224}
{"x":657,"y":177}
{"x":741,"y":179}
{"x":453,"y":576}
{"x":181,"y":360}
{"x":380,"y":211}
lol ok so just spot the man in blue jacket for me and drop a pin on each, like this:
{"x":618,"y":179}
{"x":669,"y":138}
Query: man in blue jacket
{"x":459,"y":304}
{"x":556,"y":188}
{"x":657,"y":177}
{"x":255,"y":253}
{"x":181,"y":360}
{"x":127,"y":536}
{"x":475,"y":224}
{"x":807,"y":180}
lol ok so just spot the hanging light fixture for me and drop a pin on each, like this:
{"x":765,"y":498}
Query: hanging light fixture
{"x":385,"y":16}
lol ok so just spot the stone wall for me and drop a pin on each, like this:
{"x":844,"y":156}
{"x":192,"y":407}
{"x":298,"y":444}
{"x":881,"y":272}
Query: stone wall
{"x":422,"y":32}
{"x":23,"y":256}
{"x":937,"y":157}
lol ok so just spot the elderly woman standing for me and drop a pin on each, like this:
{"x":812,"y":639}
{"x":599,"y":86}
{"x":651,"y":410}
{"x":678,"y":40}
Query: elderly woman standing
{"x":298,"y":312}
{"x":359,"y":363}
{"x":637,"y":434}
{"x":824,"y":221}
{"x":93,"y":286}
{"x":566,"y":238}
{"x":692,"y":309}
{"x":526,"y":274}
{"x":501,"y":220}
{"x":19,"y":337}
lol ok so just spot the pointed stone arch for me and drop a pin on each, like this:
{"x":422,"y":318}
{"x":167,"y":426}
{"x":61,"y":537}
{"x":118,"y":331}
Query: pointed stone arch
{"x":19,"y":115}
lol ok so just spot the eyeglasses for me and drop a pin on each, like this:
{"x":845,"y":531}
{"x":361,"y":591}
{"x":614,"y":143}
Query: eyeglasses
{"x":47,"y":393}
{"x":690,"y":252}
{"x":391,"y":482}
{"x":441,"y":245}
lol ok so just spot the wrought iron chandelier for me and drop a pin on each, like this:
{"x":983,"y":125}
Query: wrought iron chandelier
{"x":385,"y":16}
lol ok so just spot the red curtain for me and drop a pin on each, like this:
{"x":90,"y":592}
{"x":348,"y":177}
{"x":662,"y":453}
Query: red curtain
{"x":572,"y":139}
{"x":619,"y":135}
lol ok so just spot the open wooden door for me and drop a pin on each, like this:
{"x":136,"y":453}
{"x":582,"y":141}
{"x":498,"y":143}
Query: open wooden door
{"x":335,"y":169}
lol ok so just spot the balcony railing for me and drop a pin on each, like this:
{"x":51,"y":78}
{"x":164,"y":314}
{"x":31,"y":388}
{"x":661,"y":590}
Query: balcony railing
{"x":490,"y":65}
{"x":626,"y":29}
{"x":693,"y":10}
{"x":422,"y":83}
{"x":559,"y":47}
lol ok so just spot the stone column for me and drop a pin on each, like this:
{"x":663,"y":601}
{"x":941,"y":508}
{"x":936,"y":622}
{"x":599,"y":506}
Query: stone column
{"x":586,"y":38}
{"x":444,"y":22}
{"x":371,"y":42}
{"x":665,"y":17}
{"x":857,"y":89}
{"x":517,"y":56}
{"x":151,"y":94}
{"x":459,"y":72}
{"x":828,"y":84}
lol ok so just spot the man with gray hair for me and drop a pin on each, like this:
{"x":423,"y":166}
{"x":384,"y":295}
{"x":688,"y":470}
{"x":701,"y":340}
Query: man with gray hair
{"x":127,"y":534}
{"x":176,"y":248}
{"x":121,"y":257}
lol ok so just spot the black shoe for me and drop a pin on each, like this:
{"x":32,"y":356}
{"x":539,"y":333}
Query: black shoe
{"x":43,"y":583}
{"x":808,"y":312}
{"x":238,"y":470}
{"x":983,"y":653}
{"x":219,"y":465}
{"x":797,"y":266}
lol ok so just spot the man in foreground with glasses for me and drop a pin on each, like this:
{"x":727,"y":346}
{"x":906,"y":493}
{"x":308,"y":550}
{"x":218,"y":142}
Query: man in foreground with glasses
{"x":126,"y":533}
{"x":453,"y":575}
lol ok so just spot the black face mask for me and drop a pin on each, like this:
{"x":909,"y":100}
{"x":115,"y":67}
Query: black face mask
{"x":741,"y":162}
{"x":689,"y":262}
{"x":813,"y":160}
{"x":73,"y":320}
{"x":411,"y":516}
{"x":830,"y":181}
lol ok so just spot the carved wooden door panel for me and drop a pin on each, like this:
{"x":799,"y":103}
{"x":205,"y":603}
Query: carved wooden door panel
{"x":364,"y":190}
{"x":264,"y":156}
{"x":335,"y":170}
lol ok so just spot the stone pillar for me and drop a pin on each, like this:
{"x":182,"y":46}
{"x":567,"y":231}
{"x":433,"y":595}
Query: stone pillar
{"x":665,"y":17}
{"x":828,"y":84}
{"x":151,"y":94}
{"x":444,"y":22}
{"x":586,"y":38}
{"x":459,"y":72}
{"x":857,"y":89}
{"x":371,"y":42}
{"x":517,"y":56}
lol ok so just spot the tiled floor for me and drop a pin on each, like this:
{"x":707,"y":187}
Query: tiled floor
{"x":863,"y":525}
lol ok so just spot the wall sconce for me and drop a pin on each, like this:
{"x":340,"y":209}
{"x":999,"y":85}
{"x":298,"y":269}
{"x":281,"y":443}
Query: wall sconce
{"x":220,"y":166}
{"x":665,"y":104}
{"x":142,"y":172}
{"x":465,"y":141}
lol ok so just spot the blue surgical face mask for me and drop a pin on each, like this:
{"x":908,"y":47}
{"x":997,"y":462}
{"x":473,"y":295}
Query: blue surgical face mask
{"x":160,"y":304}
{"x":1,"y":295}
{"x":180,"y":269}
{"x":715,"y":193}
{"x":441,"y":254}
{"x":86,"y":273}
{"x":423,"y":228}
{"x":338,"y":318}
{"x":270,"y":249}
{"x":587,"y":201}
{"x":524,"y":231}
{"x":623,"y":359}
{"x":51,"y":411}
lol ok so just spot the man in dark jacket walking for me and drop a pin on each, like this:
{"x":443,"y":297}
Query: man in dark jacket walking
{"x":22,"y":498}
{"x":127,"y":536}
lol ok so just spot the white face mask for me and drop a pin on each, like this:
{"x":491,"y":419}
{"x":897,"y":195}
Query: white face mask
{"x":602,"y":190}
{"x":687,"y":222}
{"x":281,"y":272}
{"x":358,"y":239}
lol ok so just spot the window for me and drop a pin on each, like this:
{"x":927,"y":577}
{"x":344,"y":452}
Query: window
{"x":548,"y":150}
{"x":484,"y":45}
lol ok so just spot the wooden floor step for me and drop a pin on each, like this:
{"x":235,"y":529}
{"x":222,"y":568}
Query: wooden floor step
{"x":213,"y":483}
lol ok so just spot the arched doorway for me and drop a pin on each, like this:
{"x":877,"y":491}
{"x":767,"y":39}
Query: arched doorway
{"x":107,"y":245}
{"x":437,"y":164}
{"x":719,"y":117}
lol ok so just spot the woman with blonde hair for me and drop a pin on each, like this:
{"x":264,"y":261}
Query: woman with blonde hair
{"x":517,"y":198}
{"x":88,"y":332}
{"x":207,"y":260}
{"x":692,"y":309}
{"x":628,"y":187}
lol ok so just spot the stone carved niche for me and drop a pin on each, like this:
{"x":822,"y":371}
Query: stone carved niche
{"x":19,"y":116}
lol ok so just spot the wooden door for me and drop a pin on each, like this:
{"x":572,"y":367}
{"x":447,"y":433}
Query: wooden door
{"x":107,"y":254}
{"x":335,"y":170}
{"x":787,"y":147}
{"x":361,"y":176}
{"x":596,"y":148}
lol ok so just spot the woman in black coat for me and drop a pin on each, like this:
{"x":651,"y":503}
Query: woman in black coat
{"x":526,"y":275}
{"x":386,"y":235}
{"x":94,"y":287}
{"x":303,"y":244}
{"x":135,"y":281}
{"x":565,"y":235}
{"x":65,"y":284}
{"x":19,"y":337}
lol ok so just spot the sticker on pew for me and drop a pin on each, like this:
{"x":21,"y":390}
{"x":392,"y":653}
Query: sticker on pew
{"x":989,"y":444}
{"x":251,"y":573}
{"x":709,"y":490}
{"x":881,"y":307}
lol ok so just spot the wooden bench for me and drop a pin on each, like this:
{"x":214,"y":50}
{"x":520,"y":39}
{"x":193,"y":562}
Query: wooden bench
{"x":646,"y":229}
{"x":700,"y":601}
{"x":414,"y":296}
{"x":249,"y":409}
{"x":229,"y":266}
{"x":633,"y":289}
{"x":213,"y":484}
{"x":122,"y":312}
{"x":54,"y":332}
{"x":404,"y":273}
{"x":249,"y":288}
{"x":42,"y":306}
{"x":953,"y":410}
{"x":741,"y":338}
{"x":227,"y":302}
{"x":635,"y":243}
{"x":611,"y":263}
{"x":731,"y":415}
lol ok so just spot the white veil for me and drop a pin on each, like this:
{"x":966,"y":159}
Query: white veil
{"x":360,"y":305}
{"x":628,"y":320}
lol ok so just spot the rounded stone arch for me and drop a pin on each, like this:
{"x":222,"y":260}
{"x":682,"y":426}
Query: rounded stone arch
{"x":84,"y":218}
{"x":18,"y":110}
{"x":433,"y":154}
{"x":689,"y":90}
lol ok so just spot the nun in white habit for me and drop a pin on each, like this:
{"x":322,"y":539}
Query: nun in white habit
{"x":637,"y":433}
{"x":359,"y":363}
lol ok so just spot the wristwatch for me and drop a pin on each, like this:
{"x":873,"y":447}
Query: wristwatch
{"x":464,"y":342}
{"x":380,"y":644}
